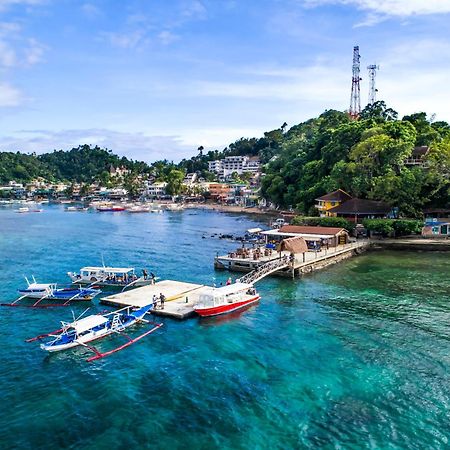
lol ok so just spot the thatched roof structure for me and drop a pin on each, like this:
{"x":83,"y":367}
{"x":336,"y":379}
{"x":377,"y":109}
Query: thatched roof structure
{"x":293,"y":245}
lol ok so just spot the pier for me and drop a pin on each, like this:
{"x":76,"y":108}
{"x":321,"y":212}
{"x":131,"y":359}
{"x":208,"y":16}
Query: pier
{"x":281,"y":263}
{"x":180,"y":298}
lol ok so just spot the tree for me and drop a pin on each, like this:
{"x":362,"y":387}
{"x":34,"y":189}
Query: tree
{"x":175,"y":181}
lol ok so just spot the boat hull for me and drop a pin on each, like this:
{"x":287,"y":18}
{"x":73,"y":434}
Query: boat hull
{"x":226,"y":308}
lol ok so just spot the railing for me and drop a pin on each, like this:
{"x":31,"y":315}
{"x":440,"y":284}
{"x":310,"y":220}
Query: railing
{"x":264,"y":270}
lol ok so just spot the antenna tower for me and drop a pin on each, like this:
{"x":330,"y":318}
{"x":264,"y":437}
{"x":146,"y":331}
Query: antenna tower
{"x":372,"y":89}
{"x":355,"y":99}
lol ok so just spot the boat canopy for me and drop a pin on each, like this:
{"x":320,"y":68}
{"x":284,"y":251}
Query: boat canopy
{"x":88,"y":323}
{"x":254,"y":230}
{"x":227,"y":290}
{"x":108,"y":269}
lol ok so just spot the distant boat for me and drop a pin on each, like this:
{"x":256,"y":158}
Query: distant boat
{"x":75,"y":209}
{"x":28,"y":210}
{"x":174,"y":207}
{"x":113,"y":208}
{"x":81,"y":331}
{"x":138,"y":209}
{"x":226,"y":299}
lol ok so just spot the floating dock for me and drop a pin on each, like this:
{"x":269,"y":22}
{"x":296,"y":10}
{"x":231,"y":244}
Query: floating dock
{"x":180,"y":298}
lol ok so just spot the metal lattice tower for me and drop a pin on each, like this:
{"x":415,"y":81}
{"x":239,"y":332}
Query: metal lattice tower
{"x":372,"y":89}
{"x":355,"y":99}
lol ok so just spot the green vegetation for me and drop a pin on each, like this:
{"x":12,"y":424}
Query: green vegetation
{"x":364,"y":157}
{"x":397,"y":227}
{"x":338,"y":222}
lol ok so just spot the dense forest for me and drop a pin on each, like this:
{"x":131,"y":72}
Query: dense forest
{"x":365,"y":157}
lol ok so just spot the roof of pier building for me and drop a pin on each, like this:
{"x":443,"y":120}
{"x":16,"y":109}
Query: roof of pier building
{"x":300,"y":229}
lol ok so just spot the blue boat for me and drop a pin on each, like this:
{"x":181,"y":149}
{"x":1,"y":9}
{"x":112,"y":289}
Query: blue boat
{"x":83,"y":330}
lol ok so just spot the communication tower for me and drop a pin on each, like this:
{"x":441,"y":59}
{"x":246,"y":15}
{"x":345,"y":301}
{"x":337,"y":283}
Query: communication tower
{"x":372,"y":89}
{"x":355,"y":99}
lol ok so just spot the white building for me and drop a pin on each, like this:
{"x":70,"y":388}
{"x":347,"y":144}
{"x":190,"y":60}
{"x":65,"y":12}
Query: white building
{"x":230,"y":164}
{"x":156,"y":189}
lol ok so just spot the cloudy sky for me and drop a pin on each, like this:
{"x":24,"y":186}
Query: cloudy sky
{"x":155,"y":79}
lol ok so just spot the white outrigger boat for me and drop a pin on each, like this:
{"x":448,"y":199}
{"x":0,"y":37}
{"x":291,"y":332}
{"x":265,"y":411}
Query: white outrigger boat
{"x":226,"y":299}
{"x":83,"y":330}
{"x":110,"y":276}
{"x":52,"y":293}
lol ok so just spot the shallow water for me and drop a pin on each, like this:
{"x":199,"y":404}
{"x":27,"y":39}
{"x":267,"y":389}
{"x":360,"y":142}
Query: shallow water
{"x":354,"y":356}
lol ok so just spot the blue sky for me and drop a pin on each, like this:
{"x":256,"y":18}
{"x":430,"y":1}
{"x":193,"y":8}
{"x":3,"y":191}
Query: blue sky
{"x":155,"y":79}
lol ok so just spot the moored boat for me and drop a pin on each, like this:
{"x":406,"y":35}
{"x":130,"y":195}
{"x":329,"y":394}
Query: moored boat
{"x":226,"y":299}
{"x":83,"y":330}
{"x":113,"y":208}
{"x":110,"y":276}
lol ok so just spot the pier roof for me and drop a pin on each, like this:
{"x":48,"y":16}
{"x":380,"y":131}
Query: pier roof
{"x":300,"y":229}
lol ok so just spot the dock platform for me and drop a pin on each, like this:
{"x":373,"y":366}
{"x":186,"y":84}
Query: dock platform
{"x":180,"y":298}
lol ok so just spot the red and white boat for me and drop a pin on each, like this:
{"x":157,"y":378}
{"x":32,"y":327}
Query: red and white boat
{"x":226,"y":299}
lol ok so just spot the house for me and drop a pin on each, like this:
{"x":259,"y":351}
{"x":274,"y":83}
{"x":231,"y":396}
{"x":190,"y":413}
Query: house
{"x":357,"y":209}
{"x":331,"y":236}
{"x":417,"y":157}
{"x":231,"y":164}
{"x":328,"y":201}
{"x":437,"y":222}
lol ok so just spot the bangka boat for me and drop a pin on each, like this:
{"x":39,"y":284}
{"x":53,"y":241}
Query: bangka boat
{"x":50,"y":292}
{"x":138,"y":209}
{"x":109,"y":276}
{"x":226,"y":299}
{"x":83,"y":330}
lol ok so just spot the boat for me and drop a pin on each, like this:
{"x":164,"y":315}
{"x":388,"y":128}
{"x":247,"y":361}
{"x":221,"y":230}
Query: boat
{"x":226,"y":299}
{"x":138,"y":209}
{"x":75,"y":209}
{"x":23,"y":210}
{"x":174,"y":207}
{"x":109,"y":276}
{"x":83,"y":330}
{"x":51,"y":293}
{"x":113,"y":208}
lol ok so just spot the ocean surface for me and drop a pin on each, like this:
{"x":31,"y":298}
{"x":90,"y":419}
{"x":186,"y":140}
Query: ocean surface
{"x":355,"y":356}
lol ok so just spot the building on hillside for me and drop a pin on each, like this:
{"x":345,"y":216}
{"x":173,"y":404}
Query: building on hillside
{"x":357,"y":209}
{"x":437,"y":222}
{"x":331,"y":236}
{"x":328,"y":201}
{"x":417,"y":157}
{"x":118,"y":171}
{"x":157,"y":189}
{"x":234,"y":164}
{"x":190,"y":179}
{"x":221,"y":192}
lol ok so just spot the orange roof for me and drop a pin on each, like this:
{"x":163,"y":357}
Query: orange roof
{"x":332,"y":231}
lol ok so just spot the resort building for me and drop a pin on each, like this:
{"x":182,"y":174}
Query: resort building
{"x":328,"y":201}
{"x":417,"y":157}
{"x":156,"y":189}
{"x":234,"y":164}
{"x":330,"y":236}
{"x":437,"y":222}
{"x":357,"y":209}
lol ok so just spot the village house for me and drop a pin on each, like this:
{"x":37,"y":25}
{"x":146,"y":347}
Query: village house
{"x":328,"y":201}
{"x":357,"y":209}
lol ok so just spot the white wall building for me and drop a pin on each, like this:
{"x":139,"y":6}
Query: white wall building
{"x":156,"y":189}
{"x":230,"y":164}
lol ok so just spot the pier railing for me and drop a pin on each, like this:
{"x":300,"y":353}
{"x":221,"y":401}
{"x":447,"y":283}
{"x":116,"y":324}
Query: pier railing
{"x":264,"y":270}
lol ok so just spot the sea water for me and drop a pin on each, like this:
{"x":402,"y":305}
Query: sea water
{"x":354,"y":356}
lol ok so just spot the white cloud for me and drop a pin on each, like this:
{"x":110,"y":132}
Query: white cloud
{"x":5,"y":4}
{"x":34,"y":52}
{"x":133,"y":145}
{"x":90,"y":10}
{"x":401,"y":8}
{"x":167,"y":37}
{"x":125,"y":40}
{"x":9,"y":95}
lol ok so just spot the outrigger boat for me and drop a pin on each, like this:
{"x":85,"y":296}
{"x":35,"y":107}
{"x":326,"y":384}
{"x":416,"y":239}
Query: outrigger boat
{"x":226,"y":299}
{"x":110,"y":276}
{"x":50,"y":292}
{"x":87,"y":329}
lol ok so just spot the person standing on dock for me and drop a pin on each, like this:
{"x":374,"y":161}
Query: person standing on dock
{"x":229,"y":281}
{"x":155,"y":301}
{"x":152,"y":276}
{"x":144,"y":273}
{"x":162,"y":299}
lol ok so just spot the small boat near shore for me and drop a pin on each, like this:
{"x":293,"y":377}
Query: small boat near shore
{"x":113,"y":208}
{"x":138,"y":209}
{"x":25,"y":209}
{"x":83,"y":330}
{"x":226,"y":299}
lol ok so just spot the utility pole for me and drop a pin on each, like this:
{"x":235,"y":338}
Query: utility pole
{"x":372,"y":89}
{"x":355,"y":99}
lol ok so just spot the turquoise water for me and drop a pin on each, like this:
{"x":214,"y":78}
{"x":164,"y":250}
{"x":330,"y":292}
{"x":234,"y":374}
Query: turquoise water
{"x":355,"y":356}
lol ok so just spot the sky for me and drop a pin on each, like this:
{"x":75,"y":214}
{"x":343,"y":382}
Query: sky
{"x":155,"y":79}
